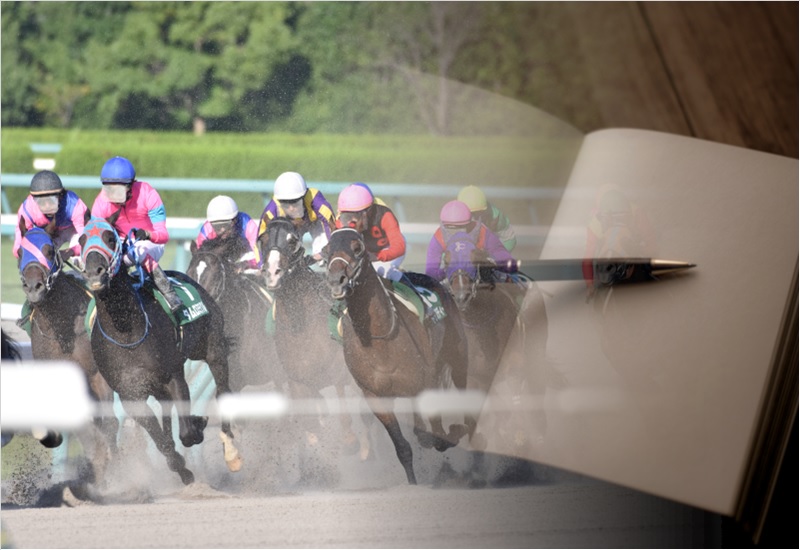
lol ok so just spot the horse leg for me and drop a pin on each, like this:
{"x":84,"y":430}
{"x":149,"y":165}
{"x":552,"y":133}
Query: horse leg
{"x":107,"y":422}
{"x":165,"y":444}
{"x":350,"y":442}
{"x":190,"y":427}
{"x":218,"y":364}
{"x":437,"y":437}
{"x":401,"y":446}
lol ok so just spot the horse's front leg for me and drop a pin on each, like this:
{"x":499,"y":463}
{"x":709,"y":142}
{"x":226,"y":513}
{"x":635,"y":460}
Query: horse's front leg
{"x":107,"y":422}
{"x":401,"y":446}
{"x":437,"y":437}
{"x":164,"y":442}
{"x":190,"y":427}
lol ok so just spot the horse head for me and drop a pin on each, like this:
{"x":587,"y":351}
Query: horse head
{"x":214,"y":262}
{"x":39,"y":263}
{"x":465,"y":268}
{"x":282,"y":249}
{"x":346,"y":252}
{"x":101,"y":253}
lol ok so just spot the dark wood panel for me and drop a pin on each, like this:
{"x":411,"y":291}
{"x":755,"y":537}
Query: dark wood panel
{"x":629,"y":86}
{"x":734,"y":68}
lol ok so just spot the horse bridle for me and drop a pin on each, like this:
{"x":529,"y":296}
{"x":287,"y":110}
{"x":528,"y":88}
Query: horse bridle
{"x":353,"y":276}
{"x":114,"y":260}
{"x":40,"y":263}
{"x":354,"y":279}
{"x":295,"y":256}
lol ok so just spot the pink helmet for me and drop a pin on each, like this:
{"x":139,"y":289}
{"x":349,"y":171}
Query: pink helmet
{"x":354,"y":198}
{"x":455,"y":213}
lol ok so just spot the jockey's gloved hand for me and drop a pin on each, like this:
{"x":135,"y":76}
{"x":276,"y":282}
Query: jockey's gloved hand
{"x":512,"y":266}
{"x":141,"y":234}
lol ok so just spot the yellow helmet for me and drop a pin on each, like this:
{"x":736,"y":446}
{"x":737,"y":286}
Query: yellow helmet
{"x":473,"y":197}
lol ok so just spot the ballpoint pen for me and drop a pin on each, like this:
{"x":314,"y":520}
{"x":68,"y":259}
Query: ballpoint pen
{"x":604,"y":271}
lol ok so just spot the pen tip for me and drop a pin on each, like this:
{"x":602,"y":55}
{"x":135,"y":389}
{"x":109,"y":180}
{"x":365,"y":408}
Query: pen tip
{"x":662,"y":267}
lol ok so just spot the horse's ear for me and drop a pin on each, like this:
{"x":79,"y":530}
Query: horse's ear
{"x":82,"y":240}
{"x":262,"y":241}
{"x":87,"y":216}
{"x":193,"y":246}
{"x":112,"y":219}
{"x":22,"y":227}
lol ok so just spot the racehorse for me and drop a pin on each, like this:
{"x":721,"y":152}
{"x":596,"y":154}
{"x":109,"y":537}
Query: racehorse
{"x":58,"y":303}
{"x":311,"y":358}
{"x":141,"y":352}
{"x":505,"y":323}
{"x":389,"y":350}
{"x":245,"y":304}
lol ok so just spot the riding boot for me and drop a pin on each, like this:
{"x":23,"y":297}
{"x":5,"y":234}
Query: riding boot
{"x":163,"y":284}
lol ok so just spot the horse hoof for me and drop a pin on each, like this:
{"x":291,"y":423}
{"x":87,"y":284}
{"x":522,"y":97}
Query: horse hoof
{"x":456,"y":432}
{"x":235,"y":465}
{"x":200,"y":422}
{"x":187,"y":477}
{"x":478,"y":442}
{"x":52,"y":440}
{"x":425,"y":439}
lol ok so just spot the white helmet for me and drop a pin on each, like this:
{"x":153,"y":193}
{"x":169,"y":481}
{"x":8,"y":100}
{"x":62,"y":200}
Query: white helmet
{"x":290,"y":186}
{"x":221,"y":208}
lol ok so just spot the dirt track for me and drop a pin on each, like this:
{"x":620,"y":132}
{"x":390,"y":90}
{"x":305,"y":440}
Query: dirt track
{"x":572,"y":514}
{"x":287,"y":496}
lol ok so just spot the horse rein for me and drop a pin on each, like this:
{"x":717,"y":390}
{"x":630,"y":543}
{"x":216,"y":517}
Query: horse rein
{"x":354,"y":279}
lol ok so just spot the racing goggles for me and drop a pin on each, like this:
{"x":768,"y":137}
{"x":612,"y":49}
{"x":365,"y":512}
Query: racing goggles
{"x":293,"y":208}
{"x":116,"y":192}
{"x":222,"y":227}
{"x":351,"y":219}
{"x":48,"y":204}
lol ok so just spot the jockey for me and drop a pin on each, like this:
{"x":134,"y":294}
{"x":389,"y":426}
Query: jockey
{"x":484,"y":211}
{"x":140,"y":210}
{"x":47,"y":200}
{"x":385,"y":244}
{"x":614,"y":210}
{"x":456,"y":217}
{"x":306,"y":207}
{"x":225,"y":222}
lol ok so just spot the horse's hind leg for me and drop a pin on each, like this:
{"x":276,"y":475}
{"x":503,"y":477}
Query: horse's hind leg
{"x":350,"y":442}
{"x":165,"y":444}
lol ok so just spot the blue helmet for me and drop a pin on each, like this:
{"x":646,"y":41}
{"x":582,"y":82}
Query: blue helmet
{"x":117,"y":170}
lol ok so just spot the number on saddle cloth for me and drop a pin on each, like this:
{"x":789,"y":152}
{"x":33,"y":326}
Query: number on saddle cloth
{"x":193,"y":306}
{"x":416,"y":291}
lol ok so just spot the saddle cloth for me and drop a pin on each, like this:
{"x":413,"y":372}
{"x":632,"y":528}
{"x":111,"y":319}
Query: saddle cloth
{"x":193,"y":306}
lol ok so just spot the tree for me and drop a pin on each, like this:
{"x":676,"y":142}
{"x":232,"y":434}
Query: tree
{"x":189,"y":62}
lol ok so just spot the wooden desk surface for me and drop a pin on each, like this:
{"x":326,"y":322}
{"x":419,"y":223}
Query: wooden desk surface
{"x":721,"y":71}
